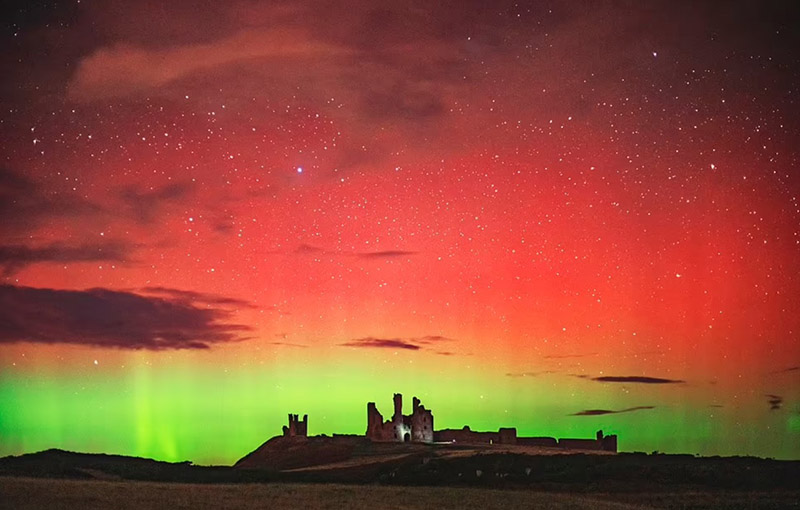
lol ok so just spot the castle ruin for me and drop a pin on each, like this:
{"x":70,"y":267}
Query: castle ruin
{"x":416,"y":427}
{"x":296,"y":427}
{"x":508,"y":436}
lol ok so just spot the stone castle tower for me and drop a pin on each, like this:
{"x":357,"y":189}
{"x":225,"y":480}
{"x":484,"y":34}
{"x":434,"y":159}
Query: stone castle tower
{"x":416,"y":427}
{"x":296,"y":427}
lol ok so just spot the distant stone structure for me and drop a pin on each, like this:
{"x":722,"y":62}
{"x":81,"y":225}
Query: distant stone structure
{"x":416,"y":427}
{"x":509,"y":436}
{"x":296,"y":427}
{"x":469,"y":436}
{"x":605,"y":443}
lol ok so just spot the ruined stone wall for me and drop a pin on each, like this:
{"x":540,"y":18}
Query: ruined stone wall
{"x":579,"y":444}
{"x":422,"y":426}
{"x":401,"y":431}
{"x":296,"y":426}
{"x":549,"y":442}
{"x":374,"y":420}
{"x":601,"y":442}
{"x":507,"y":435}
{"x":421,"y":423}
{"x":397,"y":399}
{"x":466,"y":436}
{"x":377,"y":429}
{"x":609,"y":443}
{"x":417,"y":426}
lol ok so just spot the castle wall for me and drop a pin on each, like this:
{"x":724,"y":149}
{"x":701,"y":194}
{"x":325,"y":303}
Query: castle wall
{"x":548,"y":442}
{"x":580,"y":444}
{"x":377,"y":429}
{"x":464,"y":436}
{"x":296,"y":426}
{"x":601,"y":442}
{"x":416,"y":427}
{"x":609,"y":443}
{"x":468,"y":436}
{"x":421,"y":424}
{"x":507,"y":435}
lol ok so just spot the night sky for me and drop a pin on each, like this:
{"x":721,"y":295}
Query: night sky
{"x":560,"y":216}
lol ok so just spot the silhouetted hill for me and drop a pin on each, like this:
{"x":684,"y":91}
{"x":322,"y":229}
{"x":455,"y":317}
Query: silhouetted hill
{"x":354,"y":459}
{"x":351,"y":459}
{"x":285,"y":453}
{"x":63,"y":464}
{"x":593,"y":473}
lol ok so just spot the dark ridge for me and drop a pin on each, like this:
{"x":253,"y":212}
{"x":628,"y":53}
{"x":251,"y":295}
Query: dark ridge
{"x":418,"y":464}
{"x":56,"y":463}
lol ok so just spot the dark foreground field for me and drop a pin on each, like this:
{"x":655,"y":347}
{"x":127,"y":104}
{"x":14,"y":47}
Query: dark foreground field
{"x":344,"y":473}
{"x":23,"y":493}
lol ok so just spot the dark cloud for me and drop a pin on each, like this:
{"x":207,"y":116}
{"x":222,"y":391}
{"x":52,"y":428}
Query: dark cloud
{"x":785,"y":370}
{"x":404,"y":100}
{"x":396,"y":67}
{"x":15,"y":257}
{"x":24,"y":204}
{"x":529,"y":374}
{"x":12,"y":184}
{"x":382,"y":343}
{"x":638,"y":379}
{"x":376,"y":27}
{"x":289,"y":344}
{"x":224,"y":223}
{"x":116,"y":319}
{"x":566,"y":356}
{"x":154,"y":24}
{"x":188,"y":296}
{"x":145,"y":206}
{"x":411,"y":344}
{"x":775,"y":402}
{"x":308,"y":249}
{"x":282,"y":341}
{"x":23,"y":13}
{"x":387,"y":254}
{"x":429,"y":339}
{"x":600,"y":412}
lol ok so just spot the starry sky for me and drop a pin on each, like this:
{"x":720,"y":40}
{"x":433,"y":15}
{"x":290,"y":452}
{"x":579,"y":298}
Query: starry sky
{"x":556,"y":215}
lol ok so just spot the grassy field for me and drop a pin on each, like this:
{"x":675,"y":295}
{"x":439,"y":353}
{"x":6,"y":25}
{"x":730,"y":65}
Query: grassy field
{"x":23,"y":493}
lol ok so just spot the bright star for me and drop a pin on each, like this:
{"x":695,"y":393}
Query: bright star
{"x":299,"y":169}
